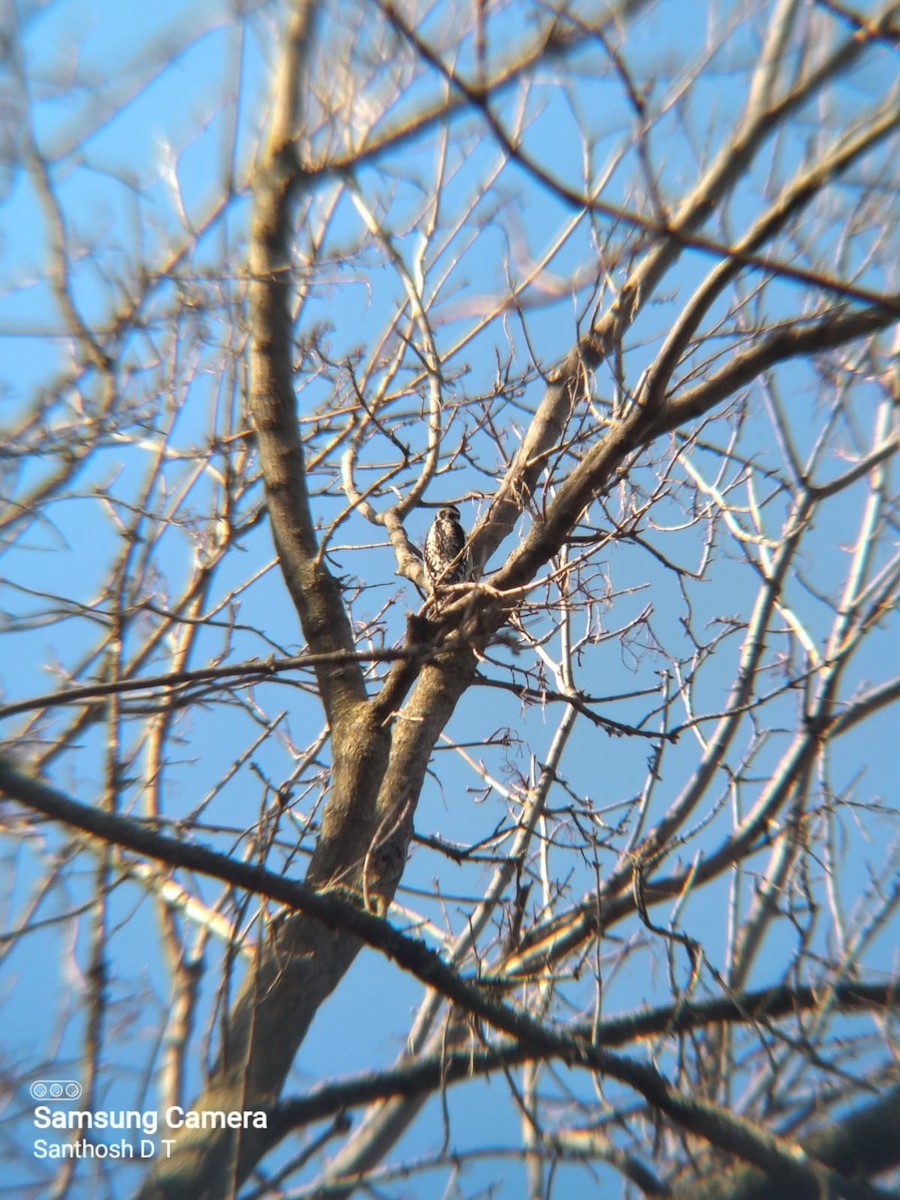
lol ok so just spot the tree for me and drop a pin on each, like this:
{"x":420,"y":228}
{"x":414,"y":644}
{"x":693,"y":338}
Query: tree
{"x":616,"y":281}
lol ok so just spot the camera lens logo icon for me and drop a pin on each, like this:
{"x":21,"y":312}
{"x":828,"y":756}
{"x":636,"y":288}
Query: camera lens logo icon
{"x":55,"y":1089}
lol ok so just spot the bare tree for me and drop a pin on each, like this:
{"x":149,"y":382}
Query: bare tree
{"x":617,"y":282}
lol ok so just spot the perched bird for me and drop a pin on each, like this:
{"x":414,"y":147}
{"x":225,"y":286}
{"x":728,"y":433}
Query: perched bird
{"x":445,"y":553}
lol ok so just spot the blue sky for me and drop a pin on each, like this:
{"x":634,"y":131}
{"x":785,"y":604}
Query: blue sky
{"x":168,"y":127}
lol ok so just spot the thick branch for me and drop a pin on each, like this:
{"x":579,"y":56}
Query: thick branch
{"x":861,"y":1145}
{"x":817,"y":337}
{"x":316,"y":594}
{"x":597,"y":470}
{"x":418,"y":1075}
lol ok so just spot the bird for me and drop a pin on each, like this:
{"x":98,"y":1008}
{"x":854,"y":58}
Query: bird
{"x":446,"y":554}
